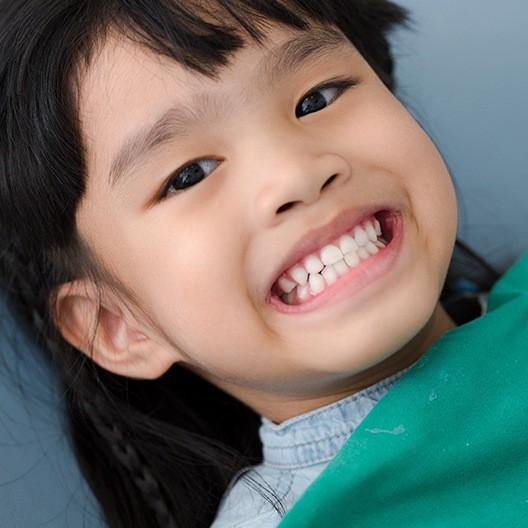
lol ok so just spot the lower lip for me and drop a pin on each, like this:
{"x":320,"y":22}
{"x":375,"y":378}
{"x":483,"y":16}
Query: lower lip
{"x":369,"y":271}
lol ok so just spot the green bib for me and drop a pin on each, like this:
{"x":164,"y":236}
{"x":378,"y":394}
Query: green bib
{"x":448,"y":445}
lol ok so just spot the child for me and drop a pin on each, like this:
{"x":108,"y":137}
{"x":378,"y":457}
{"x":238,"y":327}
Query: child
{"x":225,"y":208}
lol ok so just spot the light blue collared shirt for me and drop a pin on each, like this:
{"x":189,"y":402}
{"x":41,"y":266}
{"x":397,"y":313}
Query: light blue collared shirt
{"x":295,"y":453}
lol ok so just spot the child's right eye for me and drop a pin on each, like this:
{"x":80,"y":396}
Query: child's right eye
{"x":189,"y":175}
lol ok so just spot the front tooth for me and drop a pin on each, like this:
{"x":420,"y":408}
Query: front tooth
{"x":330,"y":274}
{"x":352,"y":259}
{"x":317,"y":283}
{"x":371,"y":248}
{"x":347,"y":244}
{"x":341,"y":268}
{"x":360,"y":236}
{"x":286,"y":285}
{"x":363,"y":253}
{"x":371,"y":232}
{"x":377,"y":227}
{"x":330,"y":255}
{"x":313,"y":264}
{"x":299,"y":275}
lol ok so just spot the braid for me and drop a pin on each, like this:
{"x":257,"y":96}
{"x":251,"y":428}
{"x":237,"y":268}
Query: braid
{"x":27,"y":282}
{"x":131,"y":460}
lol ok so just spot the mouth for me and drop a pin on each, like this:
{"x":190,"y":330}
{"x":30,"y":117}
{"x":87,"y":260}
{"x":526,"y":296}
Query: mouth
{"x":325,"y":269}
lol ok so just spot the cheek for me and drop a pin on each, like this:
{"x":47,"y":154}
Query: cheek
{"x":383,"y":137}
{"x":185,"y":278}
{"x":186,"y":274}
{"x":385,"y":142}
{"x":179,"y":263}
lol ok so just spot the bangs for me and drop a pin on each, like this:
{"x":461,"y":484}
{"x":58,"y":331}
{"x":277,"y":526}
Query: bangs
{"x":202,"y":34}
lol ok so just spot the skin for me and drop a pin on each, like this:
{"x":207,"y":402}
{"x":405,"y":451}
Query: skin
{"x":198,"y":264}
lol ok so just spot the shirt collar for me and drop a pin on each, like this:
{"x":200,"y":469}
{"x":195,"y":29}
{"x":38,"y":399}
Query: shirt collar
{"x":318,"y":435}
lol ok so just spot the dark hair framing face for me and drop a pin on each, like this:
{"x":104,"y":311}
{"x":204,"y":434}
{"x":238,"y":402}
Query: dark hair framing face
{"x":45,"y":46}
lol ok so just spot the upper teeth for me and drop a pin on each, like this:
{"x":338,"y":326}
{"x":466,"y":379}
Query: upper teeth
{"x":331,"y":254}
{"x":320,"y":269}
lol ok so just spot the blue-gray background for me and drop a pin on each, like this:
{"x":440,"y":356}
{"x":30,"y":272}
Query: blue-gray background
{"x":463,"y":71}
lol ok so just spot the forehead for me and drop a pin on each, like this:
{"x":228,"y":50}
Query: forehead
{"x":120,"y":59}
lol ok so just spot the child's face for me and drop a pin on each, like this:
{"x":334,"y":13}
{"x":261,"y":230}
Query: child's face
{"x":201,"y":262}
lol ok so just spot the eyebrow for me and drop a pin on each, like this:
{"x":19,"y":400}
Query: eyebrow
{"x":177,"y":121}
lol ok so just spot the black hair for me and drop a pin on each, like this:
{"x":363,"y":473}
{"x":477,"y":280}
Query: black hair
{"x":162,"y":452}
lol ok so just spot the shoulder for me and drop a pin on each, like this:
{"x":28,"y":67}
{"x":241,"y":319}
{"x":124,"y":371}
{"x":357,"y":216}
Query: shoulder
{"x":255,"y":499}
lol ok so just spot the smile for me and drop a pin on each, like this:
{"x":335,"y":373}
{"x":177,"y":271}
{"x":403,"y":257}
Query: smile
{"x":349,"y":256}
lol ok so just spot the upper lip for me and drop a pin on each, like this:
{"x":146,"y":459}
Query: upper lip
{"x":320,"y":236}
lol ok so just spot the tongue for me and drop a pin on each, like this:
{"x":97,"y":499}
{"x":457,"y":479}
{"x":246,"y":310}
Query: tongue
{"x":386,"y":220}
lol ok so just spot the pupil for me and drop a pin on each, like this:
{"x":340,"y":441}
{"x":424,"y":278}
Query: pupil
{"x":193,"y":174}
{"x":313,"y":102}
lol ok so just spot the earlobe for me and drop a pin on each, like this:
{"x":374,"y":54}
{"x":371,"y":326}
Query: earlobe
{"x":106,"y":332}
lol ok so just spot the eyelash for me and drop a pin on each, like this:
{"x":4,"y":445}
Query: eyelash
{"x":340,"y":86}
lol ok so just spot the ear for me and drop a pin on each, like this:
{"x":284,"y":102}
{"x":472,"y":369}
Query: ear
{"x":101,"y":327}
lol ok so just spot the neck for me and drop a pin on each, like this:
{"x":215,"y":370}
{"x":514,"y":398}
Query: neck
{"x":277,"y":410}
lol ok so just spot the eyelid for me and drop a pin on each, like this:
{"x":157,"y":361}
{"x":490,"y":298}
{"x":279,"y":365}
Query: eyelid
{"x":341,"y":83}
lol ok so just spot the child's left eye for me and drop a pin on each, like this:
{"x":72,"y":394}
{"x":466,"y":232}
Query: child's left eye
{"x":322,"y":97}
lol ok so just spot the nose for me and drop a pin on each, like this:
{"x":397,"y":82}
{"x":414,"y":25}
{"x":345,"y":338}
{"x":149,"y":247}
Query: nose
{"x":292,"y":175}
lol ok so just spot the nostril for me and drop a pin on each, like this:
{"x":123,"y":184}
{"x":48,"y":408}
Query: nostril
{"x":285,"y":207}
{"x":329,"y":181}
{"x":289,"y":205}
